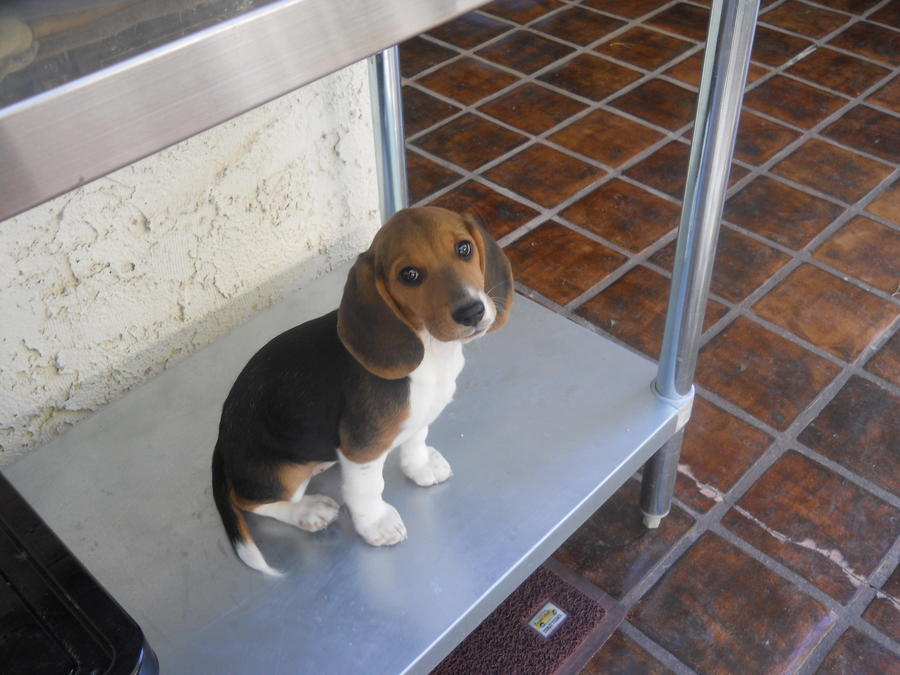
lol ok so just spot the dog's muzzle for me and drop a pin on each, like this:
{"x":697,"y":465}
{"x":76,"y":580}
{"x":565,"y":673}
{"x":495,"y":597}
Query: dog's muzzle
{"x":469,"y":315}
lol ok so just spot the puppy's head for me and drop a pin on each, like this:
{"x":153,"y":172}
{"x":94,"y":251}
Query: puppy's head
{"x":427,"y":270}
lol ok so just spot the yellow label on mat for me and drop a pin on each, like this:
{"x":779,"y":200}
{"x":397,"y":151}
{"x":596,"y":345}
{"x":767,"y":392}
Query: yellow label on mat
{"x":548,"y":619}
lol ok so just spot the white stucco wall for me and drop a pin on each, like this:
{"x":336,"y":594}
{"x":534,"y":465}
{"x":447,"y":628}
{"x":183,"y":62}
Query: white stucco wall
{"x":108,"y":285}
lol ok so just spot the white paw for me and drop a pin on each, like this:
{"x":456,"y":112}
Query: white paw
{"x":435,"y":470}
{"x":316,"y":512}
{"x":386,"y":530}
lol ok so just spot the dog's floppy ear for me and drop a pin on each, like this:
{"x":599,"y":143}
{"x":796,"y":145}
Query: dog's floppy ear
{"x":369,"y":325}
{"x":498,"y":279}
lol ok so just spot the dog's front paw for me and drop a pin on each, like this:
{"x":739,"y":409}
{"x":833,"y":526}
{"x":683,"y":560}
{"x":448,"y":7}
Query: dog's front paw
{"x":385,"y":529}
{"x":316,"y":512}
{"x":434,"y":470}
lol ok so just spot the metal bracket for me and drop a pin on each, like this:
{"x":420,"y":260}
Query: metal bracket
{"x":683,"y":404}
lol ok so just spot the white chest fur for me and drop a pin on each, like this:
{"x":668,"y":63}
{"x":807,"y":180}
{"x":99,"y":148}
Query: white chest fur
{"x":432,"y":384}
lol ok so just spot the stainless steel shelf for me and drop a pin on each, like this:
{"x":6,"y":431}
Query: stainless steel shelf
{"x":59,"y":139}
{"x":549,"y":419}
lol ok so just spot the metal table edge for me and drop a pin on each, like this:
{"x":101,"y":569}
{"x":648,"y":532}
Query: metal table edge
{"x":133,"y":109}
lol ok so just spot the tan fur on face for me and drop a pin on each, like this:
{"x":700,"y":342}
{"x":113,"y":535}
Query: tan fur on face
{"x":380,"y":318}
{"x":426,"y":239}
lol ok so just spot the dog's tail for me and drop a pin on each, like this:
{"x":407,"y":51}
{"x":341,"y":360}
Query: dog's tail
{"x":233,"y":519}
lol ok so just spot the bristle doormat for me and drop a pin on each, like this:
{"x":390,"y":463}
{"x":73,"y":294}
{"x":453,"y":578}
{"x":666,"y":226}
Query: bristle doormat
{"x":506,"y":642}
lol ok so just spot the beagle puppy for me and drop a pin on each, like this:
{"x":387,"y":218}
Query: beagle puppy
{"x":353,"y":384}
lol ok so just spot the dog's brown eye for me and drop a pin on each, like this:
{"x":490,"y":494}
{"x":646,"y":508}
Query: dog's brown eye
{"x":410,"y":276}
{"x":464,"y":249}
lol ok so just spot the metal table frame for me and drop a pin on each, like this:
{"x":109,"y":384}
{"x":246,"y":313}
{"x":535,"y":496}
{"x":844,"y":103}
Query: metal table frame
{"x":725,"y":67}
{"x":724,"y":74}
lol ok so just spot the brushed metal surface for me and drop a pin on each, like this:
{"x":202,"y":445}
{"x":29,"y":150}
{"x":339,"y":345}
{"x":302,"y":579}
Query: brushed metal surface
{"x":77,"y":132}
{"x":548,"y":420}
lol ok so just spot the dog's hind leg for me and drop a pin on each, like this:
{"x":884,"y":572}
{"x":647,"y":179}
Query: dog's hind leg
{"x":308,"y":512}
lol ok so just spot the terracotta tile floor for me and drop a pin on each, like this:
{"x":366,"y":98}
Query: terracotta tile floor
{"x":563,"y":126}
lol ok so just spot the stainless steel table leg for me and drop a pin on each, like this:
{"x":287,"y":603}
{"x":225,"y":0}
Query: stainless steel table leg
{"x":727,"y":59}
{"x":658,"y":481}
{"x":387,"y":117}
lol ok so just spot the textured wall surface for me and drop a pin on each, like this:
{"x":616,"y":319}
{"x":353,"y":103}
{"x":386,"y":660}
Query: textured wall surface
{"x":108,"y":285}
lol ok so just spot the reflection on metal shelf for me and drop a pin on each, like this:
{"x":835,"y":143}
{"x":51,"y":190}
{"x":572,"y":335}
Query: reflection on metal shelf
{"x":58,"y":139}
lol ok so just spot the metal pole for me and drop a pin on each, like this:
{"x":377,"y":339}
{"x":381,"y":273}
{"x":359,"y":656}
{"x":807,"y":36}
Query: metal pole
{"x":387,"y":118}
{"x":727,"y":60}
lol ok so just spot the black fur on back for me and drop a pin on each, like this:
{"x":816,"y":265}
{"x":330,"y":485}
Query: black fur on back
{"x":287,"y":405}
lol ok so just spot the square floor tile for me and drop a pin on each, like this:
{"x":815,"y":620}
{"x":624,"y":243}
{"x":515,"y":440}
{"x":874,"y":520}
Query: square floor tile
{"x":851,"y":6}
{"x":829,"y":312}
{"x":533,"y":108}
{"x":889,"y":14}
{"x":469,"y":141}
{"x":621,"y":654}
{"x":833,"y":170}
{"x":780,"y":213}
{"x":804,"y":19}
{"x":871,"y":40}
{"x":613,"y":549}
{"x":886,"y":362}
{"x":818,"y":524}
{"x":860,"y":429}
{"x":470,"y":30}
{"x":634,"y":310}
{"x":720,"y":611}
{"x":866,"y":250}
{"x":868,"y":130}
{"x":544,"y":175}
{"x":758,"y":139}
{"x":644,"y":48}
{"x":666,"y":169}
{"x":793,"y":102}
{"x":578,"y":25}
{"x":524,"y":51}
{"x":683,"y":19}
{"x":499,"y":214}
{"x":420,"y":110}
{"x":882,"y":611}
{"x":774,"y":48}
{"x":590,"y":76}
{"x":418,"y":54}
{"x":659,"y":102}
{"x":560,"y":263}
{"x":690,"y":70}
{"x":763,"y":373}
{"x":888,"y":96}
{"x":841,"y":72}
{"x":855,"y":653}
{"x":521,"y":11}
{"x":718,"y":448}
{"x":887,"y":205}
{"x":742,"y":264}
{"x":624,"y":214}
{"x":631,"y":9}
{"x":426,"y":177}
{"x":467,"y":80}
{"x":606,"y":137}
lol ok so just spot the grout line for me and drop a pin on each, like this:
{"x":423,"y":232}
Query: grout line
{"x":665,"y":657}
{"x":852,"y":618}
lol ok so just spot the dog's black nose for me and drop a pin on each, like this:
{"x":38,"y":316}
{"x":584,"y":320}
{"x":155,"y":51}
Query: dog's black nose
{"x":470,"y":314}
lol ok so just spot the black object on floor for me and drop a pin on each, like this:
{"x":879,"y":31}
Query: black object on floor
{"x":54,"y":616}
